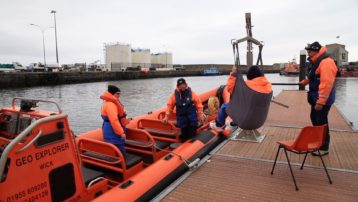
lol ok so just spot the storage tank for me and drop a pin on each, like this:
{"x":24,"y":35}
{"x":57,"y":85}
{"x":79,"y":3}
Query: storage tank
{"x":163,"y":60}
{"x":141,"y":57}
{"x":117,"y":56}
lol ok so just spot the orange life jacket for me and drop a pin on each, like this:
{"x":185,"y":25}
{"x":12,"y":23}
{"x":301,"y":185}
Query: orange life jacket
{"x":122,"y":116}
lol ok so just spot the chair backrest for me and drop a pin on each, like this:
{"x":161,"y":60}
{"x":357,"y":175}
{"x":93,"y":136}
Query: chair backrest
{"x":248,"y":108}
{"x":310,"y":138}
{"x":101,"y":148}
{"x":155,"y":124}
{"x":172,"y":116}
{"x":139,"y":137}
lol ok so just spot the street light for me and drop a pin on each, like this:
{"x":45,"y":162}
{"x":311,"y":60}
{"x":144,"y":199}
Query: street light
{"x":54,"y":17}
{"x":43,"y":39}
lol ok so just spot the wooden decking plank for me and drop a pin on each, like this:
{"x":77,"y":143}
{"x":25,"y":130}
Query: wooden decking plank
{"x":240,"y":170}
{"x":231,"y":179}
{"x":299,"y":111}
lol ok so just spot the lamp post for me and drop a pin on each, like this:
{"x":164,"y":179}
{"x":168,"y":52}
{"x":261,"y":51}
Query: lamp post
{"x":43,"y":39}
{"x":54,"y":17}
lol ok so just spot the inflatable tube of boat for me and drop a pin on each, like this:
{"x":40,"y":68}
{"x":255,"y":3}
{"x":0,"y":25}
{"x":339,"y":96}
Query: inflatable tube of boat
{"x":147,"y":184}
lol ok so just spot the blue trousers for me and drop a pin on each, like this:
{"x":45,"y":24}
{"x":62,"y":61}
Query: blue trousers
{"x":220,"y":120}
{"x":120,"y":146}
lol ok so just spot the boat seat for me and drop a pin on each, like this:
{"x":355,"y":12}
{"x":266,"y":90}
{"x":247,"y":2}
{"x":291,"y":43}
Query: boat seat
{"x":130,"y":159}
{"x":162,"y":133}
{"x":147,"y":146}
{"x":90,"y":174}
{"x":162,"y":144}
{"x":107,"y":156}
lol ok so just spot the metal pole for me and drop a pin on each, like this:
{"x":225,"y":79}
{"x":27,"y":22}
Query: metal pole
{"x":43,"y":39}
{"x":54,"y":15}
{"x":249,"y":56}
{"x":43,"y":44}
{"x":302,"y":68}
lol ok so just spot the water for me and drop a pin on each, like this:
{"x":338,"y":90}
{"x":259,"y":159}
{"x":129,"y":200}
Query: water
{"x":81,"y":101}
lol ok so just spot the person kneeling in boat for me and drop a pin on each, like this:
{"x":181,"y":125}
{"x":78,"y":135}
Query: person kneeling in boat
{"x":189,"y":109}
{"x":114,"y":118}
{"x":256,"y":80}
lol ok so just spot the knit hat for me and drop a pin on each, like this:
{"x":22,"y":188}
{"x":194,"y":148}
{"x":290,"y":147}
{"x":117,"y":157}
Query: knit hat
{"x":113,"y":89}
{"x":254,"y":72}
{"x":181,"y":81}
{"x":315,"y":46}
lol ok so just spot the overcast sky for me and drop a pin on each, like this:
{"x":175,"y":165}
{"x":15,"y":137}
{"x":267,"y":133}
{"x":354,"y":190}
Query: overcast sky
{"x":196,"y":31}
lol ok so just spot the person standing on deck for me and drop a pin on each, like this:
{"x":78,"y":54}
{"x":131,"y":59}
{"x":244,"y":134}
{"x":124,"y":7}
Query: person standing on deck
{"x":321,"y":75}
{"x":114,"y":118}
{"x":189,"y":109}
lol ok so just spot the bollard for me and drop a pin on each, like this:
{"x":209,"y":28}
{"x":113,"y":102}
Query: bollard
{"x":302,"y":67}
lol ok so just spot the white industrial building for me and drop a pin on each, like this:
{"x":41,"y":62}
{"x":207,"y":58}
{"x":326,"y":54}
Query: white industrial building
{"x":119,"y":56}
{"x":161,"y":60}
{"x":141,"y":58}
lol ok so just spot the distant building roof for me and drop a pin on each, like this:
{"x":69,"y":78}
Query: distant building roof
{"x":336,"y":44}
{"x":140,"y":50}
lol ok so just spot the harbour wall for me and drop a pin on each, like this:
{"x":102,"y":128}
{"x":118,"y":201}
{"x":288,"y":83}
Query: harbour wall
{"x":28,"y":79}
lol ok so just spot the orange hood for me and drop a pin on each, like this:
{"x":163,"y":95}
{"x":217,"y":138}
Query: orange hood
{"x":260,"y":84}
{"x":320,"y":52}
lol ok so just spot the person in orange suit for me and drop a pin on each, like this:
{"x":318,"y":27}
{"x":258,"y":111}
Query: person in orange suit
{"x":114,"y":118}
{"x":189,"y":109}
{"x":255,"y":80}
{"x":321,"y":77}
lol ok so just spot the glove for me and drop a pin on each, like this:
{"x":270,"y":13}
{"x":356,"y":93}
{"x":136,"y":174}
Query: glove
{"x":165,"y":120}
{"x":123,"y":136}
{"x":304,"y":82}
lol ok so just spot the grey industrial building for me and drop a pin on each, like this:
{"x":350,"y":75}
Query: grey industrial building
{"x":338,"y":53}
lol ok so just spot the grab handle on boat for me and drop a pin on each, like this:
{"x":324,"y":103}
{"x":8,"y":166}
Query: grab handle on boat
{"x":30,"y":143}
{"x":21,"y":136}
{"x":36,"y":100}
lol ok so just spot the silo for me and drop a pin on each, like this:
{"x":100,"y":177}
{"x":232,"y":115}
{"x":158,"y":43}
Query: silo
{"x":118,"y":56}
{"x":155,"y":60}
{"x":164,"y":59}
{"x":141,"y":57}
{"x":168,"y":57}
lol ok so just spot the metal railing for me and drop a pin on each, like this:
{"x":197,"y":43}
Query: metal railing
{"x":36,"y":100}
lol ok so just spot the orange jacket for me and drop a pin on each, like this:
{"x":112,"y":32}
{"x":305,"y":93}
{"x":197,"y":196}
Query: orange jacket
{"x":113,"y":109}
{"x":171,"y":103}
{"x":258,"y":84}
{"x":327,"y":70}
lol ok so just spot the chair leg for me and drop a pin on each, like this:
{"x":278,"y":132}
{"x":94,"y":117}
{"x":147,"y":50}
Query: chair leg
{"x":304,"y":160}
{"x":324,"y":166}
{"x":289,"y":165}
{"x":274,"y":164}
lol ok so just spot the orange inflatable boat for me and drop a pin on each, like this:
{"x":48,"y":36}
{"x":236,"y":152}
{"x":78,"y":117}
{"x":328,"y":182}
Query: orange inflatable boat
{"x":42,"y":160}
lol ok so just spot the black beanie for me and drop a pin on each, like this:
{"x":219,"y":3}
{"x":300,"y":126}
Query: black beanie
{"x":254,"y":72}
{"x":113,"y":89}
{"x":180,"y":81}
{"x":315,"y":46}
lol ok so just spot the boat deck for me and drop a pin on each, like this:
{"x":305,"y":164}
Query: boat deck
{"x":240,"y":171}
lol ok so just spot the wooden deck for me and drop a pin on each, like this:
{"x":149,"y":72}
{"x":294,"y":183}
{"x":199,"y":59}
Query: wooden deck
{"x":298,"y":113}
{"x":240,"y":171}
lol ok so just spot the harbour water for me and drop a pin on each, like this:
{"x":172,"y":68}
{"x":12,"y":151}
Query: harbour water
{"x":81,"y":101}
